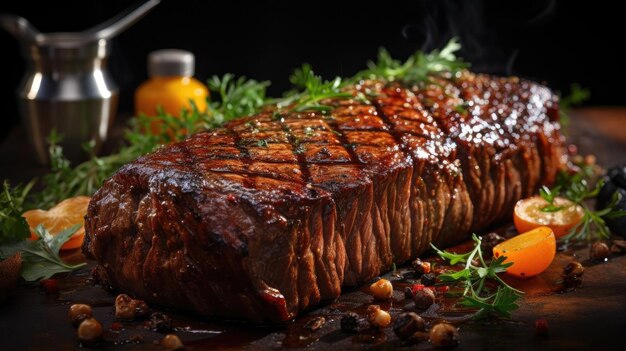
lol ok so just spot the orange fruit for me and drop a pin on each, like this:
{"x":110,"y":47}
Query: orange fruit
{"x":528,"y":215}
{"x":65,"y":214}
{"x":531,"y":252}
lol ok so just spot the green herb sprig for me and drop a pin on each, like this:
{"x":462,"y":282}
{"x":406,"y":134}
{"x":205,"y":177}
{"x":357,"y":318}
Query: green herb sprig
{"x":418,"y":67}
{"x":475,"y":278}
{"x":550,"y":195}
{"x":576,"y":96}
{"x":13,"y":226}
{"x":310,"y":91}
{"x":40,"y":258}
{"x":593,"y":225}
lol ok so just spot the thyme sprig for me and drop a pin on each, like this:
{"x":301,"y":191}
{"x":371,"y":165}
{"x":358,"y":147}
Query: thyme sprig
{"x":477,"y":277}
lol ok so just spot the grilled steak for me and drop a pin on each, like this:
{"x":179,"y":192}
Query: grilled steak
{"x":272,"y":214}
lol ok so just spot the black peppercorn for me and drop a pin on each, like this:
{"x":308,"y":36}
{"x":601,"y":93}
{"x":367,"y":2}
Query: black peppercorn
{"x":488,"y":242}
{"x":160,"y":322}
{"x":350,"y":322}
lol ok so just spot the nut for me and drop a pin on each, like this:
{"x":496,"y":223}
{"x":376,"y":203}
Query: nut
{"x":407,"y":324}
{"x":420,"y":267}
{"x":350,"y":322}
{"x":599,"y":251}
{"x":382,"y":289}
{"x":377,"y":317}
{"x":79,"y":312}
{"x":444,"y":335}
{"x":129,"y":308}
{"x":124,"y":308}
{"x":89,"y":331}
{"x":574,"y":268}
{"x":172,"y":342}
{"x":424,"y":298}
{"x":618,"y":247}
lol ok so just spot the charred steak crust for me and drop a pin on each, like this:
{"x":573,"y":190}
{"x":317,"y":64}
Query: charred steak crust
{"x":266,"y":216}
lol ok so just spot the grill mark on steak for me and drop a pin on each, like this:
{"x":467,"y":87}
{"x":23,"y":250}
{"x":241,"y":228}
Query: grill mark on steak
{"x":231,"y":227}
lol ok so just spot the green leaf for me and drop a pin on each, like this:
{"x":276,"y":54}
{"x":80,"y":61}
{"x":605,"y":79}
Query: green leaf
{"x":40,"y":258}
{"x":13,"y":226}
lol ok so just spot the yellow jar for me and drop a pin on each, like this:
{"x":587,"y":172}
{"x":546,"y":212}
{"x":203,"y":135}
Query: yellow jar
{"x":171,"y":84}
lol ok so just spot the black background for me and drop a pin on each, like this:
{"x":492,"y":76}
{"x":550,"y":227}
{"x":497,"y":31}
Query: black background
{"x":557,"y":42}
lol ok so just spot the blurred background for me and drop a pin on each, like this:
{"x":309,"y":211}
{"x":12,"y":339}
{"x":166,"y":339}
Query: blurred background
{"x":556,"y":42}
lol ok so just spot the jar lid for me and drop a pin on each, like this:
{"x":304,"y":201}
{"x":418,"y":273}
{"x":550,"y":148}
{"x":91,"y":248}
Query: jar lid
{"x":171,"y":62}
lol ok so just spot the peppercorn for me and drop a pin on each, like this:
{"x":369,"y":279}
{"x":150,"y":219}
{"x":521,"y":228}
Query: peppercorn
{"x":160,"y":322}
{"x":488,"y":242}
{"x":420,"y":267}
{"x":407,"y":324}
{"x":429,"y":279}
{"x":599,"y":251}
{"x":424,"y":298}
{"x":350,"y":322}
{"x":90,"y":331}
{"x":377,"y":317}
{"x":79,"y":312}
{"x":382,"y":289}
{"x":171,"y":342}
{"x":444,"y":335}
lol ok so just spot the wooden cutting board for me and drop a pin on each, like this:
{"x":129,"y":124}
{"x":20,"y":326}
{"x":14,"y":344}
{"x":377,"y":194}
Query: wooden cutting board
{"x":592,"y":316}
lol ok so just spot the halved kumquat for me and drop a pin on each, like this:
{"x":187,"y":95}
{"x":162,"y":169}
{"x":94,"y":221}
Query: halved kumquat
{"x":528,"y":215}
{"x":64,"y":215}
{"x":531,"y":252}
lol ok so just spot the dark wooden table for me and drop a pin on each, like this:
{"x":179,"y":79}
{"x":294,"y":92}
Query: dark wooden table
{"x":590,"y":317}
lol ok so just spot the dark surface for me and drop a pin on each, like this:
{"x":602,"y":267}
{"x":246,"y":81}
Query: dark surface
{"x":561,"y":42}
{"x":589,"y":318}
{"x":266,"y":217}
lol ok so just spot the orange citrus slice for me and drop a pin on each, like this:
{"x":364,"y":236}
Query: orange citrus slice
{"x":528,"y":215}
{"x":531,"y":252}
{"x":64,"y":215}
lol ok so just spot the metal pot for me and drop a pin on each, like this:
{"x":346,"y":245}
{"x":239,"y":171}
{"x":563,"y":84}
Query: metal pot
{"x":67,"y":87}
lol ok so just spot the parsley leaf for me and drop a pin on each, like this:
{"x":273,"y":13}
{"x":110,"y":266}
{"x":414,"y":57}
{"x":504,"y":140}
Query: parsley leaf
{"x":476,"y":277}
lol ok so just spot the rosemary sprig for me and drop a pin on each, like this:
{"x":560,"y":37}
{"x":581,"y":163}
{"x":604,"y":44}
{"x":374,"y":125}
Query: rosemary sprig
{"x":476,"y":277}
{"x":593,"y":225}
